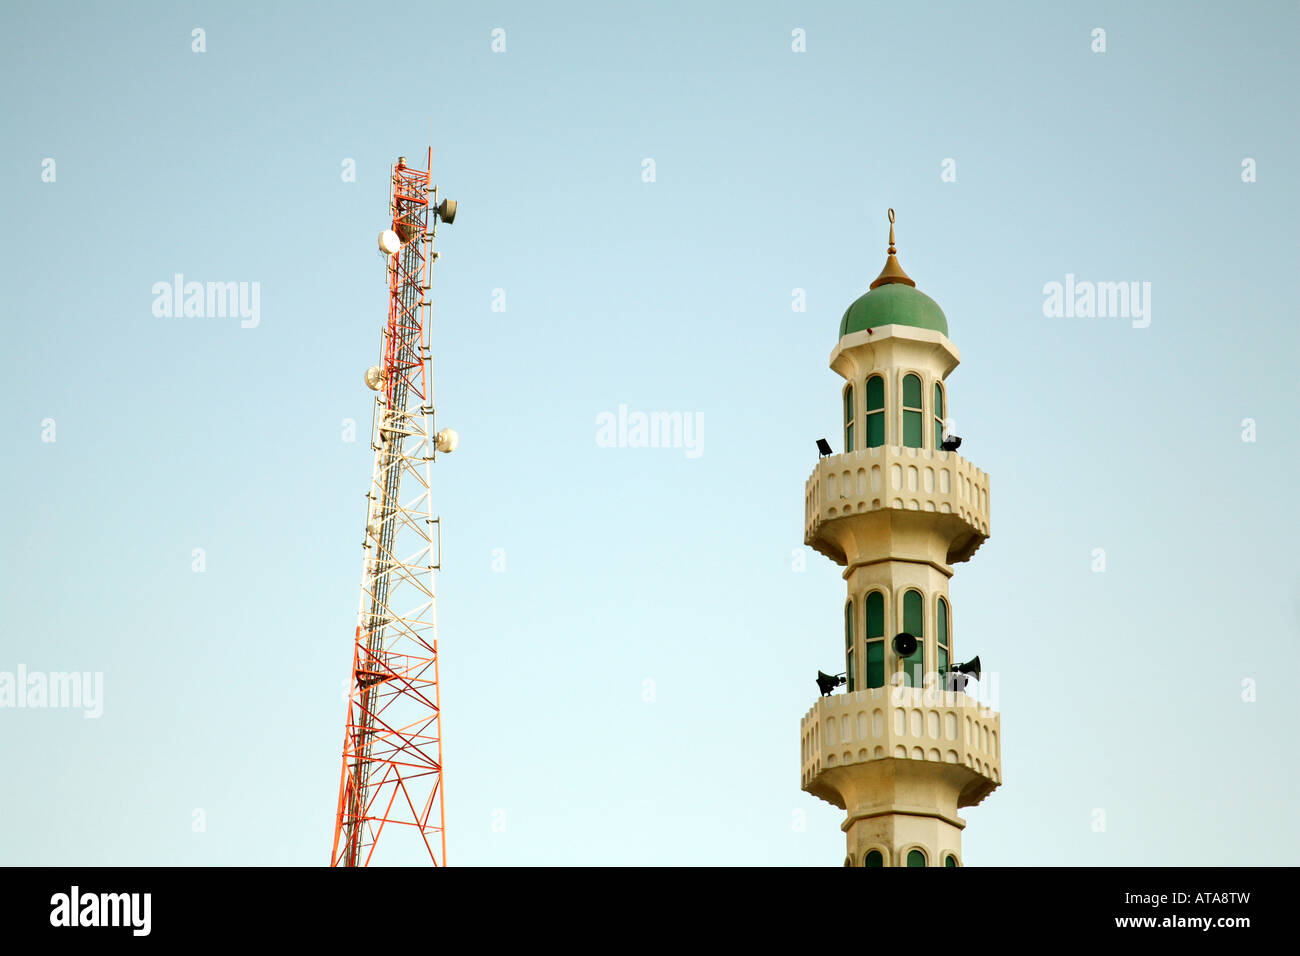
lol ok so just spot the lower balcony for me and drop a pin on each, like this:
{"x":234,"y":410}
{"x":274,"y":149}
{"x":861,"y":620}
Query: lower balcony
{"x":902,"y":723}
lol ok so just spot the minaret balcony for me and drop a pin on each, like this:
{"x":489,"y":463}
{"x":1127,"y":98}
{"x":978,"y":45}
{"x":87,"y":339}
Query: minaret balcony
{"x":953,"y":733}
{"x":893,"y":479}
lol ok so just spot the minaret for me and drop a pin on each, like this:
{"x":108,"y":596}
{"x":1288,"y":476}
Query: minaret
{"x":901,"y":749}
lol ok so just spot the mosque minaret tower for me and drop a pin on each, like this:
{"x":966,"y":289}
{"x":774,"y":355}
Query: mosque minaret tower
{"x":903,"y":747}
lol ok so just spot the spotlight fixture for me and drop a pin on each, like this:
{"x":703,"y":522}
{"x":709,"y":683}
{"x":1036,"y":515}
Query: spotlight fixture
{"x":828,"y":682}
{"x":823,"y":447}
{"x":950,"y":443}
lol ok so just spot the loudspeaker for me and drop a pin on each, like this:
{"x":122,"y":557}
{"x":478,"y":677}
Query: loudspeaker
{"x":826,"y":683}
{"x":971,"y":667}
{"x":904,"y":644}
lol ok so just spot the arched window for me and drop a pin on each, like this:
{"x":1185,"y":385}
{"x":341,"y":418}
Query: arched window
{"x":941,"y":637}
{"x":938,"y":415}
{"x":848,"y":861}
{"x":874,"y":859}
{"x":875,"y":411}
{"x":950,"y":861}
{"x":912,"y":414}
{"x":848,"y":646}
{"x":875,"y":638}
{"x":916,"y":858}
{"x":914,"y":624}
{"x":848,"y":418}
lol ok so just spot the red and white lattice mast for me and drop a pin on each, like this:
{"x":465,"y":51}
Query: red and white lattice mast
{"x":391,"y":784}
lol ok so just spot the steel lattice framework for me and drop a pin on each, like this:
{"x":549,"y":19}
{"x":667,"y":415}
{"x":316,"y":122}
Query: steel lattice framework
{"x":391,"y":782}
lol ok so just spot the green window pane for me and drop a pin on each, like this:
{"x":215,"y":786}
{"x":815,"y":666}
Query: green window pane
{"x":914,"y":624}
{"x":848,"y":418}
{"x":938,"y":415}
{"x":875,"y":663}
{"x":912,"y":429}
{"x":848,"y":669}
{"x":875,"y":429}
{"x":874,"y":859}
{"x":911,"y":391}
{"x":941,"y":624}
{"x":875,"y":615}
{"x":915,"y":858}
{"x":943,"y":660}
{"x":848,"y":626}
{"x":950,"y":860}
{"x":913,"y":616}
{"x":875,"y":393}
{"x":914,"y":667}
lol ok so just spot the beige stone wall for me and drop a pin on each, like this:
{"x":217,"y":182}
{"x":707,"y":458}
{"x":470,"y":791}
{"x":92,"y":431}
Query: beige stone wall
{"x":894,"y":351}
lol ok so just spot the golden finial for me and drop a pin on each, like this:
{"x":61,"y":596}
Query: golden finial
{"x":892,"y":272}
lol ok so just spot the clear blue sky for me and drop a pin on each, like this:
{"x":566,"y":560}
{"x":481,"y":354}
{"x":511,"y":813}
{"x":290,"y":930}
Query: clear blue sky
{"x":1119,"y":690}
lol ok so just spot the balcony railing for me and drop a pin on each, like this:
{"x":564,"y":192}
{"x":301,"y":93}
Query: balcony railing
{"x":908,"y":723}
{"x":904,"y":479}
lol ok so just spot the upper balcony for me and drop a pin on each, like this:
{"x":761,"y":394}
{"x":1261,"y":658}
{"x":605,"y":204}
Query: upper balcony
{"x":901,"y":479}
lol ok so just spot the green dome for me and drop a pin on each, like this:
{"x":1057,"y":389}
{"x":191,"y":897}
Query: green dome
{"x":894,"y":304}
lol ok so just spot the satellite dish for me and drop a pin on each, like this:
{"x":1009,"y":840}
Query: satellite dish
{"x":447,"y":211}
{"x":374,"y":378}
{"x":447,"y":440}
{"x":389,"y":243}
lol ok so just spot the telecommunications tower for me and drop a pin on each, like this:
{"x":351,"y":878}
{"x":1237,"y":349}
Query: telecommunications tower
{"x":391,"y":783}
